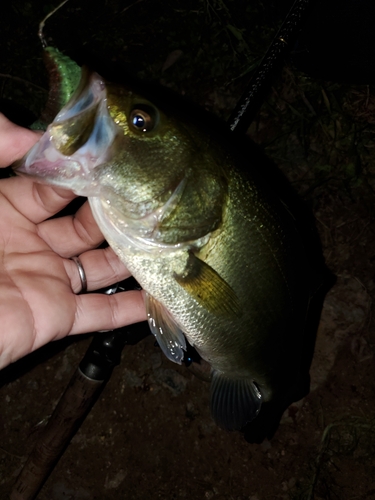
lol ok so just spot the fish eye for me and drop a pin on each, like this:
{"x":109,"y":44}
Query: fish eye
{"x":143,"y":118}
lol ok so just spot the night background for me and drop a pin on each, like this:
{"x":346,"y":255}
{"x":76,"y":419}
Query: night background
{"x":150,"y":435}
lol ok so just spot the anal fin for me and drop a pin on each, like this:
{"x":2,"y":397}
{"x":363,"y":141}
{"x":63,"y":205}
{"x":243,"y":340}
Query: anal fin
{"x":234,"y":402}
{"x":169,"y":336}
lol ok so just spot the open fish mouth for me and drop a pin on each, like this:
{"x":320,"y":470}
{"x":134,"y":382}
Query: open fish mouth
{"x":78,"y":140}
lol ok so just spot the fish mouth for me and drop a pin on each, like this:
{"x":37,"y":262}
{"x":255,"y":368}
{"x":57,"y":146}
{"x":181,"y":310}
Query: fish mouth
{"x":78,"y":140}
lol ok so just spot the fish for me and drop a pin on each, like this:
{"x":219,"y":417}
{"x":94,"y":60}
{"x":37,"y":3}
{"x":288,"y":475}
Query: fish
{"x":215,"y":248}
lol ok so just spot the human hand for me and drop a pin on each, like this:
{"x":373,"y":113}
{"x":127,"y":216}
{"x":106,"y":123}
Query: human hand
{"x":38,"y":281}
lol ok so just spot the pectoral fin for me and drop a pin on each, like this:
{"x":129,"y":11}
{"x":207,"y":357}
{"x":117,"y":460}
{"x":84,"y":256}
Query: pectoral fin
{"x":169,"y":336}
{"x":234,"y":402}
{"x":208,"y":288}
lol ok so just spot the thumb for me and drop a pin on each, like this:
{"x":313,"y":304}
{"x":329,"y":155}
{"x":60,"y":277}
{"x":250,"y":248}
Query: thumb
{"x":15,"y":141}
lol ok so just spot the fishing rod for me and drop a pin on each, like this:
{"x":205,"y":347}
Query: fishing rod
{"x":271,"y":64}
{"x":104,"y":352}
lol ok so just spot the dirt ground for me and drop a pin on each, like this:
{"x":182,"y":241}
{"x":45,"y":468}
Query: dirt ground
{"x":150,"y":434}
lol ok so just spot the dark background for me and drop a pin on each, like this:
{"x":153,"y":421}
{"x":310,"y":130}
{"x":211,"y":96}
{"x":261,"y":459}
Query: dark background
{"x":150,"y":435}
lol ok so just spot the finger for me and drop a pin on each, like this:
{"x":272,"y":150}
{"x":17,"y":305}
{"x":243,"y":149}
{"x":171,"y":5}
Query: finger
{"x":37,"y":202}
{"x":107,"y":312}
{"x":102,"y":268}
{"x":15,"y":141}
{"x":73,"y":234}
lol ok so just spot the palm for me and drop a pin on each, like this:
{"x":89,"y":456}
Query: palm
{"x":39,"y":282}
{"x":35,"y":286}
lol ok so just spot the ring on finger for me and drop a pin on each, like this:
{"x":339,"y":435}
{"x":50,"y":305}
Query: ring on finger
{"x":82,"y":274}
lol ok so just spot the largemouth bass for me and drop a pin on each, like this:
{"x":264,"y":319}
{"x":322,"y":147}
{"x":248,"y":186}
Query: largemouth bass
{"x":216,"y":251}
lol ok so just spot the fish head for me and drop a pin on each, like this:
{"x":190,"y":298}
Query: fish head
{"x":155,"y":174}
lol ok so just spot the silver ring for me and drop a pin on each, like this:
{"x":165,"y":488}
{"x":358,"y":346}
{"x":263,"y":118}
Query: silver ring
{"x":81,"y":273}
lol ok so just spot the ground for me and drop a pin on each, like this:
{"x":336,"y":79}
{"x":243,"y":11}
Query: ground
{"x":150,"y":434}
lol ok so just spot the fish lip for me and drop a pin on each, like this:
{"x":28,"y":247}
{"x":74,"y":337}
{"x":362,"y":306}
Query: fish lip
{"x":47,"y":164}
{"x":57,"y":170}
{"x":90,"y":91}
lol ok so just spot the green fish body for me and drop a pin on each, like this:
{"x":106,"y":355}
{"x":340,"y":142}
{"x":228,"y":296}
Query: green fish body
{"x":216,"y":252}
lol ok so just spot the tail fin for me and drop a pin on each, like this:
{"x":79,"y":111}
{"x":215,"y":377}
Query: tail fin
{"x":234,"y":402}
